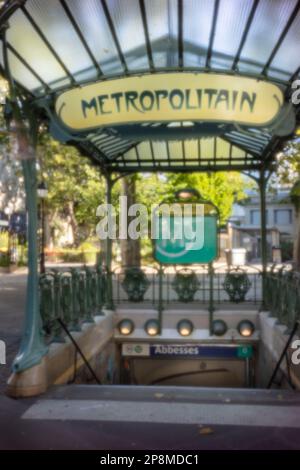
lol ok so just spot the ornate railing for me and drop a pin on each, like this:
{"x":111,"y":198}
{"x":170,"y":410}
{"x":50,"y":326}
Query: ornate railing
{"x":75,"y":296}
{"x":186,"y":285}
{"x":282,"y":287}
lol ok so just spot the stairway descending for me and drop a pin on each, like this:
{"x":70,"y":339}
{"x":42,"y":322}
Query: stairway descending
{"x":139,"y":417}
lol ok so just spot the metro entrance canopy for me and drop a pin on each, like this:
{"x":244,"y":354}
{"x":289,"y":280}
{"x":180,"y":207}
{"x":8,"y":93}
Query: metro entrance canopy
{"x":148,"y":85}
{"x":159,"y":85}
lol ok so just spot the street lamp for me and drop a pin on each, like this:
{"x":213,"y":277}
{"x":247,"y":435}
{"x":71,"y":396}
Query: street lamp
{"x":187,"y":194}
{"x":42,"y":192}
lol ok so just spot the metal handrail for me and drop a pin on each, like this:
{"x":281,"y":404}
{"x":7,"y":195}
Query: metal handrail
{"x":74,"y":295}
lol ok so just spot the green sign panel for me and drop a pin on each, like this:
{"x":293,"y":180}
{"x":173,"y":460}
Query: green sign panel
{"x":245,"y":351}
{"x":185,"y":240}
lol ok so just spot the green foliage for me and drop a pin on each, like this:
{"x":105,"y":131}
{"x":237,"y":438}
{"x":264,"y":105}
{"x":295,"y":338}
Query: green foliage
{"x":151,"y":188}
{"x":85,"y":253}
{"x":288,"y":173}
{"x":288,"y":170}
{"x":3,"y":241}
{"x":75,"y":186}
{"x":295,"y":194}
{"x":4,"y":260}
{"x":221,"y":188}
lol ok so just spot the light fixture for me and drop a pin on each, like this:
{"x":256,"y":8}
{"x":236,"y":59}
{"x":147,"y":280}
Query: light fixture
{"x":152,"y":327}
{"x":42,"y":190}
{"x":126,"y":327}
{"x":219,"y":327}
{"x":246,"y":328}
{"x":181,"y":124}
{"x":187,"y":193}
{"x":185,"y":327}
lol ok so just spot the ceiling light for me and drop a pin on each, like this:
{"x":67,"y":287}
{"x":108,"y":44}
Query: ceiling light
{"x":126,"y":327}
{"x":246,"y":328}
{"x":185,"y":327}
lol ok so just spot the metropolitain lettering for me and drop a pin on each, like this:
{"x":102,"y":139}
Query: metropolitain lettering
{"x":175,"y":99}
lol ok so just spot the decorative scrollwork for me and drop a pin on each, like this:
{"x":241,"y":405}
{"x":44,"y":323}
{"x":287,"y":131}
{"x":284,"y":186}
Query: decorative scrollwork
{"x":236,"y":284}
{"x":46,"y":302}
{"x":135,"y":284}
{"x":185,"y":284}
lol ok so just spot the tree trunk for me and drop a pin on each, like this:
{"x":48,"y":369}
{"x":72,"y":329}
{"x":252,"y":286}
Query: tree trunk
{"x":73,"y":222}
{"x":130,"y":249}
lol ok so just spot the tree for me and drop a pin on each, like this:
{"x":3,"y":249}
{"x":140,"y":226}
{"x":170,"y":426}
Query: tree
{"x":130,"y":248}
{"x":288,"y":173}
{"x":75,"y":186}
{"x":221,"y":188}
{"x":11,"y":179}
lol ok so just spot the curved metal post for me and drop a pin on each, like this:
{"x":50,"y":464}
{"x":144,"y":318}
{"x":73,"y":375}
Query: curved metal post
{"x":108,"y":251}
{"x":160,"y":297}
{"x":211,"y":297}
{"x":262,"y":184}
{"x":32,"y":347}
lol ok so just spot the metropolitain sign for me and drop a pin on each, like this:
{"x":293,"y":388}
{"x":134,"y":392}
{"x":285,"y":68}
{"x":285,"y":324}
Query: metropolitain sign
{"x":167,"y":97}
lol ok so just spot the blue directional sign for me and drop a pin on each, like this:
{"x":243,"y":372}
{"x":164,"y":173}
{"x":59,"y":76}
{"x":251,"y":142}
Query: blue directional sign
{"x":18,"y":223}
{"x":208,"y":351}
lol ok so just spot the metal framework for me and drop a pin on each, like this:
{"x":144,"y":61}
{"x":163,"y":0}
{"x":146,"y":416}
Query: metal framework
{"x":47,"y":47}
{"x":166,"y":36}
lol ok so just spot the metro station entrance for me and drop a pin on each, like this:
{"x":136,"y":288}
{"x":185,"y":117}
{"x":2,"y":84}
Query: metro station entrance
{"x":156,"y":86}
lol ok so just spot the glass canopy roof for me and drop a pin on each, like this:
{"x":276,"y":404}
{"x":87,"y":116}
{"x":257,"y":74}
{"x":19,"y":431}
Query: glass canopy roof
{"x":61,"y":44}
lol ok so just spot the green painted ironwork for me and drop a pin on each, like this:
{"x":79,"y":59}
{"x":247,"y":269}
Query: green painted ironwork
{"x":46,"y":301}
{"x":135,"y":284}
{"x":66,"y":299}
{"x":237,"y":284}
{"x":160,"y":306}
{"x":74,"y":295}
{"x":262,"y":183}
{"x":101,"y":289}
{"x":108,"y":249}
{"x":56,"y":327}
{"x":283,"y":295}
{"x":185,"y":284}
{"x":75,"y":323}
{"x":210,"y":291}
{"x":211,"y":307}
{"x":32,"y":347}
{"x":91,"y":292}
{"x":79,"y":295}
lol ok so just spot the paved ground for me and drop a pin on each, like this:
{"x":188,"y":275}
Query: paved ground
{"x":12,"y":303}
{"x":151,"y":418}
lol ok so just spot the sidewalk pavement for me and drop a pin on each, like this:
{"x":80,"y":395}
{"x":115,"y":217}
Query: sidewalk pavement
{"x":12,"y":304}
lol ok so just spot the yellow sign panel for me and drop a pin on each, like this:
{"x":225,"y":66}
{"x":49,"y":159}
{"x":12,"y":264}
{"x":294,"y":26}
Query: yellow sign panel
{"x":170,"y":97}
